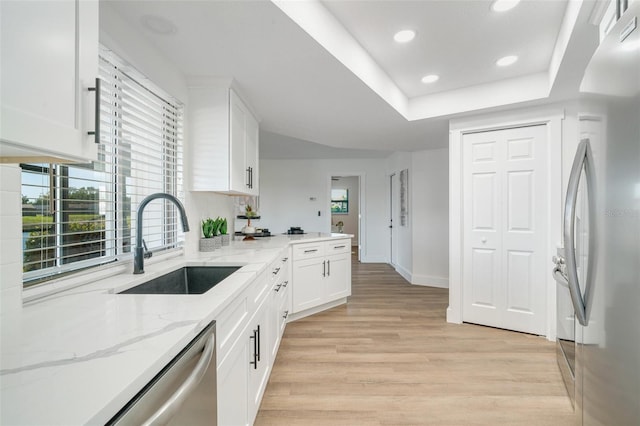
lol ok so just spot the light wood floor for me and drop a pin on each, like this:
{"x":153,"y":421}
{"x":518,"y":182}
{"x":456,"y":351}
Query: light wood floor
{"x":388,"y":357}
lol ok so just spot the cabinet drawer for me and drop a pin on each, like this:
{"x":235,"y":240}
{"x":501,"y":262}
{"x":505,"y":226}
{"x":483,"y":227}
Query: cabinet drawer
{"x":307,"y":251}
{"x":336,"y":247}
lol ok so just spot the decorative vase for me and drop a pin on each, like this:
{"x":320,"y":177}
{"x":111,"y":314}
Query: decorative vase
{"x":225,"y":239}
{"x":250,"y":230}
{"x":207,"y":244}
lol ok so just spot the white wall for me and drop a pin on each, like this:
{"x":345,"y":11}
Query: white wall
{"x":430,"y":211}
{"x":350,"y":220}
{"x":292,"y":192}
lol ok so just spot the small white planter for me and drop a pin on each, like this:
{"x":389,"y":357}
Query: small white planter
{"x":217,"y":240}
{"x":225,"y":239}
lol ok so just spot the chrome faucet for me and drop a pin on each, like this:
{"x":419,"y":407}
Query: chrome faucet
{"x":139,"y":254}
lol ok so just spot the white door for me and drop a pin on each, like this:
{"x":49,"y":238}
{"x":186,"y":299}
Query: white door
{"x":505,"y":228}
{"x":392,"y":215}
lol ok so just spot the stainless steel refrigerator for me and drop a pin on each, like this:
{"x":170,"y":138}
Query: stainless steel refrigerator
{"x":598,"y":270}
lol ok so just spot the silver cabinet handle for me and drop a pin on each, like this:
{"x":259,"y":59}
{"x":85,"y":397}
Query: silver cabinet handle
{"x":169,"y":408}
{"x":324,"y":268}
{"x":582,"y":160}
{"x":328,"y":267}
{"x":311,"y":251}
{"x":338,"y":247}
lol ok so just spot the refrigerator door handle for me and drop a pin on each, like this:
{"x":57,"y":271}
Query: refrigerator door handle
{"x":582,"y":160}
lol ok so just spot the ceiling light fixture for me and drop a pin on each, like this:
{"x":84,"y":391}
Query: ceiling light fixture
{"x":504,"y":5}
{"x":404,"y":36}
{"x":431,"y":78}
{"x":506,"y":61}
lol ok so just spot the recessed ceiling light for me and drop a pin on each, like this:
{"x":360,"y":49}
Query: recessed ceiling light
{"x":431,"y":78}
{"x":404,"y":36}
{"x":158,"y":25}
{"x":506,"y":61}
{"x":504,"y":5}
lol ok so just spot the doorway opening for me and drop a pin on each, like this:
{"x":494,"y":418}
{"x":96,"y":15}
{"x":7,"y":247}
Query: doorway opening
{"x":345,"y":209}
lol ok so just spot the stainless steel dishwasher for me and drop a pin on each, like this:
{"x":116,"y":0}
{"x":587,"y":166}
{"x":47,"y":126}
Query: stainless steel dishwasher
{"x":183,"y":393}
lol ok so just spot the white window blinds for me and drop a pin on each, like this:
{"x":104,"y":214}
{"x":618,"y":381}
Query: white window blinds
{"x":76,"y":216}
{"x":142,"y":133}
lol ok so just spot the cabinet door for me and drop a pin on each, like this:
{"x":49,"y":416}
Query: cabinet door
{"x":251,"y":153}
{"x":308,"y":284}
{"x":338,"y":277}
{"x":274,"y":323}
{"x":233,"y":385}
{"x":259,"y":354}
{"x":49,"y":59}
{"x":239,"y":174}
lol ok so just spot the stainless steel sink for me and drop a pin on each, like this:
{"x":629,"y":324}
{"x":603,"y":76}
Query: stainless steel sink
{"x":187,"y":280}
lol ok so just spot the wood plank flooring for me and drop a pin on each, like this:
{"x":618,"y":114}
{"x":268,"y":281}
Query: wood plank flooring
{"x":389,"y":357}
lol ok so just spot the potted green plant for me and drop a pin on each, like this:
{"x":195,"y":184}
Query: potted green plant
{"x":217,"y":238}
{"x":207,"y":243}
{"x":223,"y":232}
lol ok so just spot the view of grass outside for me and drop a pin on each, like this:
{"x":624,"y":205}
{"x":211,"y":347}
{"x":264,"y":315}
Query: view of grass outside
{"x":50,"y":238}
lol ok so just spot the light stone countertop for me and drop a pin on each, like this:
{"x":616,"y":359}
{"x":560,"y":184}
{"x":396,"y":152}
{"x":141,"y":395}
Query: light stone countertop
{"x":79,"y":356}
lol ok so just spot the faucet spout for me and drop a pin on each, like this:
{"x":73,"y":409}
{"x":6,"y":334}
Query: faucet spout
{"x":138,"y":257}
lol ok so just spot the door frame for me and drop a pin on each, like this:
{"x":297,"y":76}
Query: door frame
{"x":552,"y":119}
{"x":361,"y":210}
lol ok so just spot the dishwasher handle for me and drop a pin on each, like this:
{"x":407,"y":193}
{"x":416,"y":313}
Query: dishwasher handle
{"x":171,"y":406}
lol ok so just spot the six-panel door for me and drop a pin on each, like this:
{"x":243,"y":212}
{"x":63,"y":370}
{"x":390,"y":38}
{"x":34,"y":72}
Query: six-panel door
{"x":505,"y":228}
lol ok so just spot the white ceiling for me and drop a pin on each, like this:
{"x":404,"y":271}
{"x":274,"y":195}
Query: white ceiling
{"x":458,"y":40}
{"x":304,"y":79}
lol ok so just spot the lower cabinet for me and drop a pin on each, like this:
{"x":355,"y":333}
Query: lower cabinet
{"x":259,"y":358}
{"x":250,"y":329}
{"x":233,"y":386}
{"x":248,"y":342}
{"x":321,"y":273}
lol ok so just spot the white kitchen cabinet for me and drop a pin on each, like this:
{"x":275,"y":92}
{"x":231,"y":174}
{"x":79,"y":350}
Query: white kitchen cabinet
{"x":224,"y":140}
{"x":280,"y":304}
{"x":338,"y":279}
{"x":321,"y":274}
{"x":260,"y":358}
{"x":233,"y":385}
{"x":308,"y":280}
{"x":49,"y":60}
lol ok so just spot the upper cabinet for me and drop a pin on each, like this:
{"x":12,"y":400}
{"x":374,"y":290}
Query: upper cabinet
{"x":49,"y":63}
{"x":223,"y":138}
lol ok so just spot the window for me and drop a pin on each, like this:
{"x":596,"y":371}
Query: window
{"x":339,"y":201}
{"x":81,"y":215}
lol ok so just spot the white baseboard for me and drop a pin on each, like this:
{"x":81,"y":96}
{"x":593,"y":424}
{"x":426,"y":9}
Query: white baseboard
{"x":452,"y":317}
{"x":406,"y":274}
{"x":374,"y":259}
{"x":316,"y":309}
{"x":430,"y":281}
